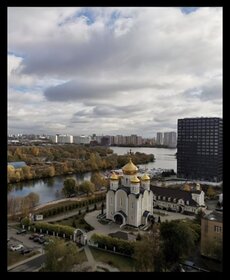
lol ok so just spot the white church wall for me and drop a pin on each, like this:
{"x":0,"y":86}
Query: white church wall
{"x":132,"y":210}
{"x":110,"y":204}
{"x":121,"y":201}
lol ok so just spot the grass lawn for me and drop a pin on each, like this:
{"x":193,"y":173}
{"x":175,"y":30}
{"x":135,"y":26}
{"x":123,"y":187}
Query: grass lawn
{"x":122,"y":263}
{"x":14,"y":256}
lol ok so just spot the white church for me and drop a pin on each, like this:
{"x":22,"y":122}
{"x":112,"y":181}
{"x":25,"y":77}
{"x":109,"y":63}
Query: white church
{"x":129,"y":199}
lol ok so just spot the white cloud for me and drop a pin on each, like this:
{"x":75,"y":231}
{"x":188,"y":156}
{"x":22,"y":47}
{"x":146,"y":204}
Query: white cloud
{"x":142,"y":67}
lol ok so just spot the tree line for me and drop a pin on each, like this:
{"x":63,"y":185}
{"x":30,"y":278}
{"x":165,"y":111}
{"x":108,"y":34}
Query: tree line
{"x":49,"y":161}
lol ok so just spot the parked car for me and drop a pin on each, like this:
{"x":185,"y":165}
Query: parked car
{"x":16,"y":247}
{"x":33,"y":236}
{"x":42,"y":240}
{"x":25,"y":251}
{"x":21,"y":231}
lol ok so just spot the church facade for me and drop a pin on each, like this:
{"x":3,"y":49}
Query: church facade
{"x":129,"y":199}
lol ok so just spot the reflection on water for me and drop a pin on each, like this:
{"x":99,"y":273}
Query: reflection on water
{"x":49,"y":189}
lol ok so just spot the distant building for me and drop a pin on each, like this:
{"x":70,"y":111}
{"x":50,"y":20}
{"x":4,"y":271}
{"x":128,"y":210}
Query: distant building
{"x":200,"y":149}
{"x":65,"y":138}
{"x":54,"y":138}
{"x":178,"y":200}
{"x":105,"y":141}
{"x":212,"y":235}
{"x":160,"y":138}
{"x":82,"y":139}
{"x":170,"y":139}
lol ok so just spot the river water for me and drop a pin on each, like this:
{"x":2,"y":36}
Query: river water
{"x":49,"y":189}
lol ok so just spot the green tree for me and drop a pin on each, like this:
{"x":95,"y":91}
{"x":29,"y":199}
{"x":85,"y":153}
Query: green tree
{"x":60,"y":257}
{"x":87,"y":187}
{"x":178,"y":239}
{"x":69,"y":187}
{"x":147,"y":253}
{"x":200,"y":213}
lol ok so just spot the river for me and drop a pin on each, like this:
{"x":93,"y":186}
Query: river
{"x":49,"y":189}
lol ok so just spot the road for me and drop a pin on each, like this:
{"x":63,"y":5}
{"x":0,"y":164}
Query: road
{"x":32,"y":265}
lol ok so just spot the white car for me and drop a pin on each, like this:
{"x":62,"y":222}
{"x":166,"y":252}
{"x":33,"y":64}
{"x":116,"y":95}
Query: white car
{"x":16,"y":247}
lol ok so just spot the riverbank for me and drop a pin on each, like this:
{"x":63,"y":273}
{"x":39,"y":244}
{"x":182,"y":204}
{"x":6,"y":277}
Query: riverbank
{"x":48,"y":162}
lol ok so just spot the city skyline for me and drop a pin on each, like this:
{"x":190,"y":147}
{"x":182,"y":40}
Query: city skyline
{"x":111,"y":70}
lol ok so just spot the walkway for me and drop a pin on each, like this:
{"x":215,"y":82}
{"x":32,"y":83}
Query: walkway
{"x":98,"y":266}
{"x":91,"y":219}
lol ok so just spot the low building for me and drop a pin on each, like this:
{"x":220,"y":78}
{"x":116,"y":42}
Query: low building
{"x":212,"y":235}
{"x":183,"y":201}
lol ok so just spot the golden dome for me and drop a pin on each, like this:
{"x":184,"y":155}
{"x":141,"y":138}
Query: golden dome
{"x":130,"y":168}
{"x":145,"y":177}
{"x":114,"y":176}
{"x":135,"y":180}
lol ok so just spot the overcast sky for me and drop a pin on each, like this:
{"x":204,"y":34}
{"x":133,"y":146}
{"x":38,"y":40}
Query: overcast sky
{"x":112,"y":70}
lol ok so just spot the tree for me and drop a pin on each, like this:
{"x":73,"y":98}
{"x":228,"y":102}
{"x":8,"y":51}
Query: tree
{"x":87,"y":187}
{"x":211,"y":193}
{"x":178,"y":239}
{"x":147,"y":252}
{"x":51,"y":171}
{"x":35,"y":151}
{"x":60,"y":257}
{"x":186,"y":188}
{"x":33,"y":199}
{"x":98,"y":180}
{"x":199,"y":215}
{"x":26,"y":170}
{"x":69,"y":187}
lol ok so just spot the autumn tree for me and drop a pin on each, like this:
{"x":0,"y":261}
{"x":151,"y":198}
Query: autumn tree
{"x":87,"y":187}
{"x":51,"y":171}
{"x":26,"y":170}
{"x":69,"y":187}
{"x":186,"y":188}
{"x":60,"y":257}
{"x":33,"y":199}
{"x":211,"y":193}
{"x":35,"y":151}
{"x":98,"y":180}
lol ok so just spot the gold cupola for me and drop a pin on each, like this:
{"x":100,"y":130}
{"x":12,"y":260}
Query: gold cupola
{"x":114,"y":176}
{"x":134,"y":179}
{"x":130,"y":168}
{"x":145,"y":177}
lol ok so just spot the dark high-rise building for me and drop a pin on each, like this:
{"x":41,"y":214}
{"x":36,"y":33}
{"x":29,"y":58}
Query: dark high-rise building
{"x":200,"y":149}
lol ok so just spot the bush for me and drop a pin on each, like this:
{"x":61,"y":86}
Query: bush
{"x":122,"y":246}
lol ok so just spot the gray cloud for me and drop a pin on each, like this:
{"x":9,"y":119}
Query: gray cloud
{"x":92,"y":89}
{"x":209,"y":91}
{"x":127,"y":69}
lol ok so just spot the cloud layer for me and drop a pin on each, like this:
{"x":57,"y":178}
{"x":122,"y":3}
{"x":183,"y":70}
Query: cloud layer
{"x":112,"y":70}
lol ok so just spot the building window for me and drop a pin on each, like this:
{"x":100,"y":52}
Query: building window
{"x":217,"y":229}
